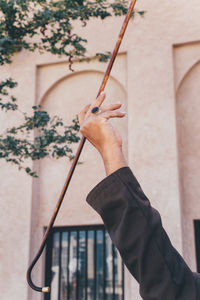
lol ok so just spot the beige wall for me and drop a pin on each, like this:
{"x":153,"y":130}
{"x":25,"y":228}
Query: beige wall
{"x":157,"y":78}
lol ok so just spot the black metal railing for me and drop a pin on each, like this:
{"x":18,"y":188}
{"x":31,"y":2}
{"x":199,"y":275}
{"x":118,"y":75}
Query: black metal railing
{"x":197,"y":242}
{"x":83,"y":264}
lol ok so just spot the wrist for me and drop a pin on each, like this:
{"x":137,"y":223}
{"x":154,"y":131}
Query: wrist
{"x":113,"y":159}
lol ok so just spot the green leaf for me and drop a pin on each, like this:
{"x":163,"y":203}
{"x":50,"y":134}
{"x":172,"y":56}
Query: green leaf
{"x":45,"y":26}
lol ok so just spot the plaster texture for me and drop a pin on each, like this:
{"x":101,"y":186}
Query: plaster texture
{"x":156,"y":77}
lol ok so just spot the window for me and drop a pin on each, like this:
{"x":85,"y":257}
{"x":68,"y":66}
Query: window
{"x":82,"y":263}
{"x":197,"y":242}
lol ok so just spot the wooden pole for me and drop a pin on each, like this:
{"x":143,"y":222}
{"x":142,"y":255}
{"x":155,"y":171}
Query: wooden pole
{"x":79,"y":150}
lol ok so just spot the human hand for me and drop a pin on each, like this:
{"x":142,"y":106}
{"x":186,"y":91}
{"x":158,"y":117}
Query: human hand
{"x":97,"y":128}
{"x":99,"y":131}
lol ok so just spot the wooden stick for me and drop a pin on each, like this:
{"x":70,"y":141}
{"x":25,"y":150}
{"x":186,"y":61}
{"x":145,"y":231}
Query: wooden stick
{"x":74,"y":163}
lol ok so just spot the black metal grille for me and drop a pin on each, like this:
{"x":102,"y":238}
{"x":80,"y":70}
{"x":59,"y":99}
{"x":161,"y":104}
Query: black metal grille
{"x":197,"y":242}
{"x":83,"y":264}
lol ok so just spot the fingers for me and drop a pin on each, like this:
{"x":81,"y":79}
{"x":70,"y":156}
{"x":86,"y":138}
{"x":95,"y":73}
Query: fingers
{"x":106,"y":112}
{"x":111,"y":107}
{"x":99,"y":100}
{"x":112,"y":114}
{"x":81,"y":115}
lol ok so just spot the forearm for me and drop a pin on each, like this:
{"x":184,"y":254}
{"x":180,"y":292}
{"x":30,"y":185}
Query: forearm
{"x":136,"y":230}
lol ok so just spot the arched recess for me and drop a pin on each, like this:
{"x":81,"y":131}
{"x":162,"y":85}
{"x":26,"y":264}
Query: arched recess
{"x":186,"y":75}
{"x":76,"y":74}
{"x":65,"y":98}
{"x":188,"y":128}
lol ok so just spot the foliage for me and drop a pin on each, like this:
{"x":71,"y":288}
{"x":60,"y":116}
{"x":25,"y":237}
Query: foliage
{"x":52,"y":23}
{"x":44,"y":26}
{"x":38,"y":135}
{"x":52,"y":140}
{"x":7,"y":102}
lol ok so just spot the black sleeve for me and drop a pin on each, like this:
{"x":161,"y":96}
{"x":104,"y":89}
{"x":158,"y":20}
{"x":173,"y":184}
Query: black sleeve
{"x":136,"y":230}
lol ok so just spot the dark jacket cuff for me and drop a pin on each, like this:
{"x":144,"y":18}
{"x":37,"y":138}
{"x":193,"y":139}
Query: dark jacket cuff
{"x":111,"y":185}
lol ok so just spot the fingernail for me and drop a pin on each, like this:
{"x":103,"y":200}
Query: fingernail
{"x":102,"y":93}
